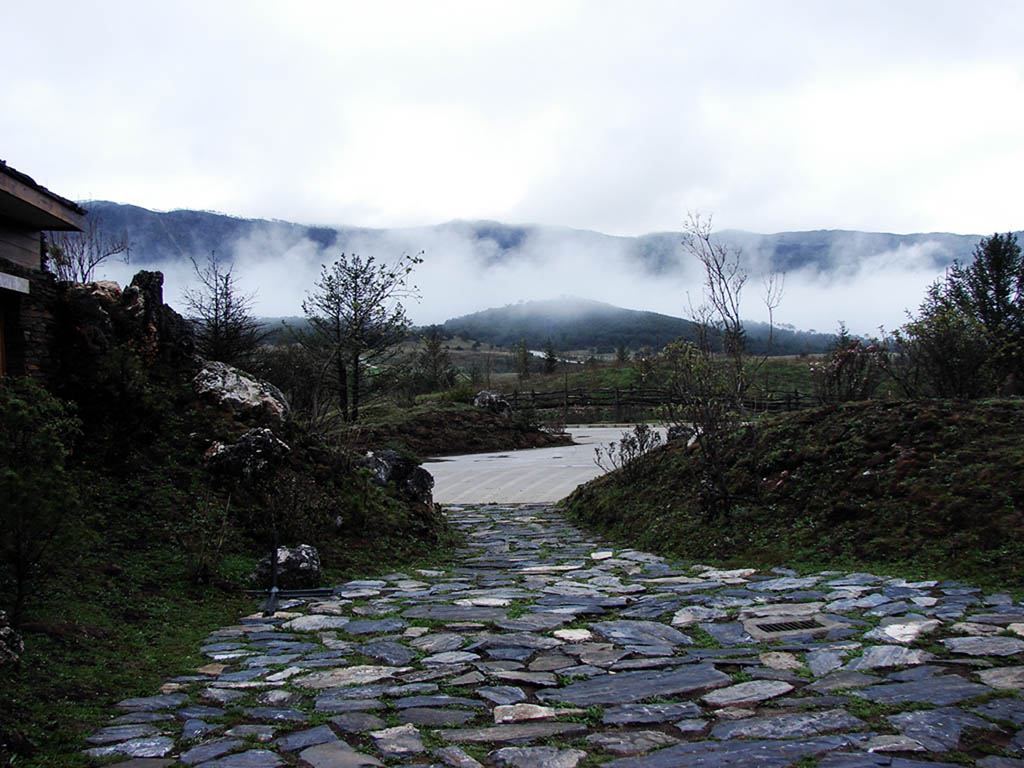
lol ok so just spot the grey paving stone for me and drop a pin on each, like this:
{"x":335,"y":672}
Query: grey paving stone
{"x":640,"y":633}
{"x":453,"y":613}
{"x":1009,"y":709}
{"x":254,"y":758}
{"x":374,"y":626}
{"x":938,"y":730}
{"x":322,"y":734}
{"x":985,"y":646}
{"x":791,"y":726}
{"x":631,"y":742}
{"x":153,"y":703}
{"x":629,"y":687}
{"x":390,"y":652}
{"x":209,"y":750}
{"x":435,"y":717}
{"x":398,"y":742}
{"x":940,"y":691}
{"x":456,"y":757}
{"x":337,"y":755}
{"x":113,"y":733}
{"x":718,"y":754}
{"x":730,"y":633}
{"x":628,"y":714}
{"x":354,"y":722}
{"x":512,"y":733}
{"x":502,"y":694}
{"x":275,"y":715}
{"x":537,"y":757}
{"x":146,"y":746}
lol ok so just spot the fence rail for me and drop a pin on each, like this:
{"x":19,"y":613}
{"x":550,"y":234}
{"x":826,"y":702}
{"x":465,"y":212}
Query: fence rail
{"x":648,"y":397}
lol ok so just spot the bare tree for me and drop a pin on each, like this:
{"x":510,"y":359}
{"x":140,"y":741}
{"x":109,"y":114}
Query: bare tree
{"x":711,"y":375}
{"x":74,"y":256}
{"x":356,"y":315}
{"x":222,"y":318}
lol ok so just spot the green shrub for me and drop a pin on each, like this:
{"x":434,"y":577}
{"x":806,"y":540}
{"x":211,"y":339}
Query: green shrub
{"x":38,"y":503}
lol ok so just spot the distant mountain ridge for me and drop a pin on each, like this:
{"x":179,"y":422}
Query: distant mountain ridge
{"x":182,"y":234}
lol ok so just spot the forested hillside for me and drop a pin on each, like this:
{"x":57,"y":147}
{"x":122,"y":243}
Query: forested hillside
{"x":574,"y":324}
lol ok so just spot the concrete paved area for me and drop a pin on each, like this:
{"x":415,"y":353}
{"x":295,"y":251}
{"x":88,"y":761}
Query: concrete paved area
{"x":537,"y":475}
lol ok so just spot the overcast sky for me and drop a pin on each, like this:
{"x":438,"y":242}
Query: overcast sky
{"x":619,"y":117}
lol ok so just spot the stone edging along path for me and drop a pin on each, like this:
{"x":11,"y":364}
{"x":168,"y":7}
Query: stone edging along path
{"x":542,"y":646}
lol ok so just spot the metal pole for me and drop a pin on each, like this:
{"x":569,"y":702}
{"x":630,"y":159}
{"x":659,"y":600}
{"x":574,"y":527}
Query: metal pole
{"x":271,"y":605}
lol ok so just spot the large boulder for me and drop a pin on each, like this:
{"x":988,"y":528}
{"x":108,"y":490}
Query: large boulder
{"x":240,"y":393}
{"x":494,"y":402}
{"x":297,"y":568}
{"x":255,"y":452}
{"x":390,"y":467}
{"x":10,"y":641}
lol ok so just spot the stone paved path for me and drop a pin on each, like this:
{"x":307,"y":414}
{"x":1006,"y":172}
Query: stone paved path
{"x":544,"y":647}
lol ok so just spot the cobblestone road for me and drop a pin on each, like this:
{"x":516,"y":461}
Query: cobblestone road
{"x":543,"y":646}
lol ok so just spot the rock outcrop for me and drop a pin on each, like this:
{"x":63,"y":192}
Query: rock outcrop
{"x":412,"y":481}
{"x":297,"y":568}
{"x":256,"y":451}
{"x":101,"y":316}
{"x":241,"y":393}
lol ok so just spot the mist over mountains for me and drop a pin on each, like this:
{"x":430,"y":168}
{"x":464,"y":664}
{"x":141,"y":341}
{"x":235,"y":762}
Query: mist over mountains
{"x":865,"y":279}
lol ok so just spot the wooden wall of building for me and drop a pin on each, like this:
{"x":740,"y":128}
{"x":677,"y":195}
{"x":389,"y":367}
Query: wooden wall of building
{"x":22,"y":246}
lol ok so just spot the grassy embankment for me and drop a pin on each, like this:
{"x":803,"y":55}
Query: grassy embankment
{"x":927,"y":488}
{"x":117,"y":608}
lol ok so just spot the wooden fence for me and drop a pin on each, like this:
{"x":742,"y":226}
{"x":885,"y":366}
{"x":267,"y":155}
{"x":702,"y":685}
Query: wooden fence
{"x":624,"y":398}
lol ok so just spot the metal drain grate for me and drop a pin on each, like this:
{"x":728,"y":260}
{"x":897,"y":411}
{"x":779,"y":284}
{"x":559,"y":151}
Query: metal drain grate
{"x":778,"y":627}
{"x":789,"y":626}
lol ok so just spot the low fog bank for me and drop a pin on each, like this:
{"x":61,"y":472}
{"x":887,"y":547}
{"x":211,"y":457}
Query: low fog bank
{"x":467,"y":268}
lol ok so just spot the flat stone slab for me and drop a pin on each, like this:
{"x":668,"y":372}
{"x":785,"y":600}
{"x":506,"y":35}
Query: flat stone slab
{"x":337,"y":755}
{"x":153,"y":703}
{"x":629,"y":714}
{"x":794,"y":726}
{"x":512,"y":733}
{"x":316,"y":623}
{"x":322,"y":734}
{"x":738,"y":753}
{"x":537,"y":757}
{"x":882,"y":656}
{"x":631,"y":742}
{"x":938,"y":730}
{"x":361,"y":674}
{"x":114,"y":733}
{"x":626,"y":632}
{"x":438,"y":642}
{"x":147,"y":746}
{"x":1004,"y":678}
{"x":454,"y":613}
{"x":254,"y":758}
{"x":751,"y":692}
{"x":628,"y":687}
{"x":398,"y":742}
{"x":373,"y":626}
{"x":940,"y":691}
{"x":985,"y":646}
{"x":435,"y":717}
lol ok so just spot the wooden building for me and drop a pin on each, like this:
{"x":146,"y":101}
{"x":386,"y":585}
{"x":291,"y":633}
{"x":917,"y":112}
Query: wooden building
{"x":27,"y":210}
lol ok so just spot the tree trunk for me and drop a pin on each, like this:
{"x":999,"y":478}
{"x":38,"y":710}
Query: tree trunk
{"x":342,"y":386}
{"x":355,"y":384}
